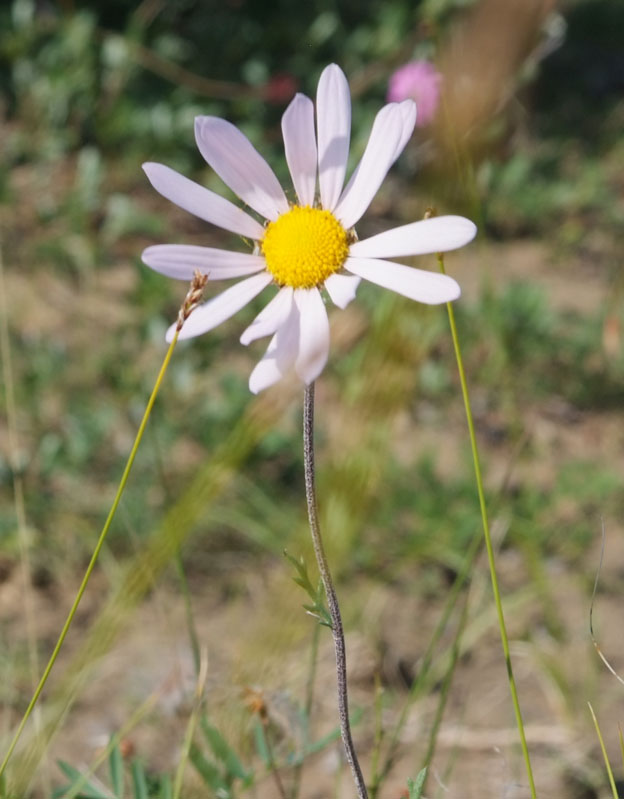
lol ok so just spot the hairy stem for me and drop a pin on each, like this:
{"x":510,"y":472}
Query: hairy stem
{"x":332,"y":600}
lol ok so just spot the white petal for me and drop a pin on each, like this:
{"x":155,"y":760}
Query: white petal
{"x":233,"y":157}
{"x":224,"y":305}
{"x":287,"y":341}
{"x":300,"y":146}
{"x":408,"y":113}
{"x":201,"y":202}
{"x":280,"y":354}
{"x":313,"y":335}
{"x":439,"y":234}
{"x":333,"y":122}
{"x":378,"y":157}
{"x":265,"y":372}
{"x":342,"y":288}
{"x":181,"y":260}
{"x":271,"y":317}
{"x":417,"y":284}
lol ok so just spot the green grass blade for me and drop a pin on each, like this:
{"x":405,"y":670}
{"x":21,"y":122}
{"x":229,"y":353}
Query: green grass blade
{"x":222,"y":750}
{"x":208,"y":771}
{"x":261,"y":745}
{"x":139,"y":780}
{"x":90,"y":790}
{"x":115,"y":765}
{"x":166,"y":788}
{"x":415,"y":787}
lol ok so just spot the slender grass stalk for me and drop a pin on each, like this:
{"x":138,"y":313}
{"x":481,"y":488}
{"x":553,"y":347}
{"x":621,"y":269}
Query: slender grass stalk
{"x":271,"y":761}
{"x":488,"y":540}
{"x":18,"y":498}
{"x":379,"y":733}
{"x":190,"y":303}
{"x":192,"y":724}
{"x":188,"y":610}
{"x":152,"y":558}
{"x":179,"y":563}
{"x":94,"y":556}
{"x":444,"y":694}
{"x":423,"y":672}
{"x":309,"y":699}
{"x":328,"y":584}
{"x":604,"y":753}
{"x":147,"y":706}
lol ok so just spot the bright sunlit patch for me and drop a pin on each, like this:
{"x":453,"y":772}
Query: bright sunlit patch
{"x":304,"y":246}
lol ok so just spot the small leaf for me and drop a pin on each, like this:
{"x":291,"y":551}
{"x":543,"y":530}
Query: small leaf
{"x":302,"y":571}
{"x":313,"y":748}
{"x":320,"y":614}
{"x":223,"y":751}
{"x":415,"y":787}
{"x":208,"y":772}
{"x":139,"y":780}
{"x":260,"y":740}
{"x":89,"y":790}
{"x":166,"y":790}
{"x":115,"y":765}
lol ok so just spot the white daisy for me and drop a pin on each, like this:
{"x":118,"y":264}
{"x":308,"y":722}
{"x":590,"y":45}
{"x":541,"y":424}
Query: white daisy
{"x":306,"y":247}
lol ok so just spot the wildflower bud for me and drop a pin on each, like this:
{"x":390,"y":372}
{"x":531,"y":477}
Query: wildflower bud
{"x":256,"y":703}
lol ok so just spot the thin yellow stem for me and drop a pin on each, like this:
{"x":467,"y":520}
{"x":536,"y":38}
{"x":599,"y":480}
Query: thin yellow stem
{"x":94,"y":556}
{"x":604,"y":753}
{"x":488,"y":539}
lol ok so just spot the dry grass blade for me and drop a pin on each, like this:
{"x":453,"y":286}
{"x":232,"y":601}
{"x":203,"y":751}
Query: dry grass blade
{"x":591,"y":611}
{"x":192,"y":723}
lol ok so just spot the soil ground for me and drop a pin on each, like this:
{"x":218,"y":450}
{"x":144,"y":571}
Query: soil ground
{"x":257,"y":638}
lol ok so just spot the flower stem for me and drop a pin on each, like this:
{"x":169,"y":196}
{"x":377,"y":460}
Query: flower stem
{"x":189,"y":304}
{"x":488,"y":539}
{"x":94,"y":556}
{"x":332,"y":600}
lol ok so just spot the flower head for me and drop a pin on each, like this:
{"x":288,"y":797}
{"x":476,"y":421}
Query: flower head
{"x":306,"y":248}
{"x":419,"y":81}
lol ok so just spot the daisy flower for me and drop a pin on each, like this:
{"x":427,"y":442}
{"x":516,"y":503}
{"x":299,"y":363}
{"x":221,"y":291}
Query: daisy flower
{"x":305,"y":249}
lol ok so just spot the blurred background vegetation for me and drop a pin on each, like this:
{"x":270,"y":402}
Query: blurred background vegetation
{"x":527,"y":142}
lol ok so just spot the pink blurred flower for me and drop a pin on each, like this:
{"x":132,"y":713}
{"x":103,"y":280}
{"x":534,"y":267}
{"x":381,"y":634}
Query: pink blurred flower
{"x":419,"y":81}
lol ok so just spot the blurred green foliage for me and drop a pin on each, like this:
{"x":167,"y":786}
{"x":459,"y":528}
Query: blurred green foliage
{"x":91,"y":89}
{"x":132,"y":77}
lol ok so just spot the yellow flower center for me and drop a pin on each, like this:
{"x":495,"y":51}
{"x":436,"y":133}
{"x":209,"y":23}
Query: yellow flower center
{"x":304,"y":246}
